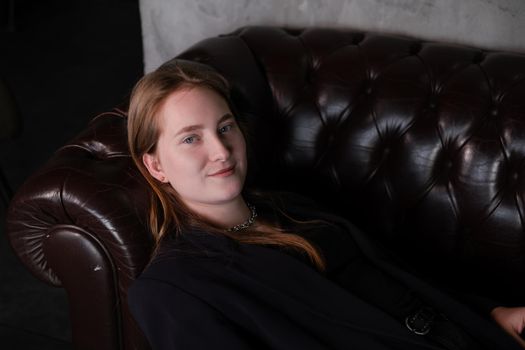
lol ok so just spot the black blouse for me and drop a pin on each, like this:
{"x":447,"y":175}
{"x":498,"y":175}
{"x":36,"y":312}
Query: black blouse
{"x":240,"y":296}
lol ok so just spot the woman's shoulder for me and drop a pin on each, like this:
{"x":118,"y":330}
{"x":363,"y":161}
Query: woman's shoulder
{"x":169,"y":272}
{"x":178,"y":256}
{"x":193,"y":243}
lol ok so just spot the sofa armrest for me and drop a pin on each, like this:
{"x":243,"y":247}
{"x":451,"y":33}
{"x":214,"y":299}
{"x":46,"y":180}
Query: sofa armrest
{"x":80,"y":223}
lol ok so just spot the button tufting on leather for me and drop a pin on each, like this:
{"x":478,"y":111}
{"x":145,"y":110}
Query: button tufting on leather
{"x":293,"y":31}
{"x":96,"y":150}
{"x":358,"y":38}
{"x":415,"y":48}
{"x":478,"y":58}
{"x":367,"y":86}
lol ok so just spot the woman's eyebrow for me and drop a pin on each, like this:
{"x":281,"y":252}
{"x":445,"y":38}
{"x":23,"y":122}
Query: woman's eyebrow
{"x":200,"y":126}
{"x":225,"y":117}
{"x":188,"y":129}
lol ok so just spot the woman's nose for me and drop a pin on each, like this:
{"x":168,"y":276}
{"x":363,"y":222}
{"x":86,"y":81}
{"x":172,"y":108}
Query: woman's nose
{"x":219,"y":150}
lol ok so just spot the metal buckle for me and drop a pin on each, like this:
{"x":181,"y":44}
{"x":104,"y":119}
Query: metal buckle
{"x":421,"y":321}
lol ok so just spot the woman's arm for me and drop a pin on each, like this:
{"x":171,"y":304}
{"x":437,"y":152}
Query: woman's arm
{"x":174,"y":319}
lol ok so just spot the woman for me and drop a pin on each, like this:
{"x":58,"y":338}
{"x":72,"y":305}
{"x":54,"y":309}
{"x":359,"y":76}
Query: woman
{"x":237,"y":269}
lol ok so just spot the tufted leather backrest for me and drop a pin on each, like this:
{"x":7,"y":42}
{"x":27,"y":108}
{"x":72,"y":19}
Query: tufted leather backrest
{"x":420,"y":144}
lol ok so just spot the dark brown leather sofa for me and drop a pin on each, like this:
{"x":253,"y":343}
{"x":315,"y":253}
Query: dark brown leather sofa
{"x":420,"y":144}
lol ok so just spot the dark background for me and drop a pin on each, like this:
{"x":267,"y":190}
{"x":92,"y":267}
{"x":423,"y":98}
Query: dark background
{"x":64,"y":62}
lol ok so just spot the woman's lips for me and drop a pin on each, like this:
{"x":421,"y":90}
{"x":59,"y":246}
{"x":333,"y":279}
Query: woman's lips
{"x":224,"y":172}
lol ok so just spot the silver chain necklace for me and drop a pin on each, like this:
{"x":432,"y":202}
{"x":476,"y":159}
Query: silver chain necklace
{"x":247,"y":223}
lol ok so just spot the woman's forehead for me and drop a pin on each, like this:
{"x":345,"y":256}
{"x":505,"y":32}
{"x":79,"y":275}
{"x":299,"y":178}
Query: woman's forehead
{"x":192,"y":106}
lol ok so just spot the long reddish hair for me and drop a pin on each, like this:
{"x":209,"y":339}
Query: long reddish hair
{"x":168,"y":214}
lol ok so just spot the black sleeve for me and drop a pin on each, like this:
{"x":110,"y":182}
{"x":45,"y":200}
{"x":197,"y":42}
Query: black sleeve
{"x":174,"y":319}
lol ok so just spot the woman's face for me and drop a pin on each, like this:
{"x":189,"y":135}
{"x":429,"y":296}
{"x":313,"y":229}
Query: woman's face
{"x":201,"y":151}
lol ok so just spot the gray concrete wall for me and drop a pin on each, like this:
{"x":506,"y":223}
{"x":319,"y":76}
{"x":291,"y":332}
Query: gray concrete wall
{"x":170,"y":26}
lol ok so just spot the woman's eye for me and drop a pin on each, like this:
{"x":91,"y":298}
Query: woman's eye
{"x":225,"y":128}
{"x":189,"y":140}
